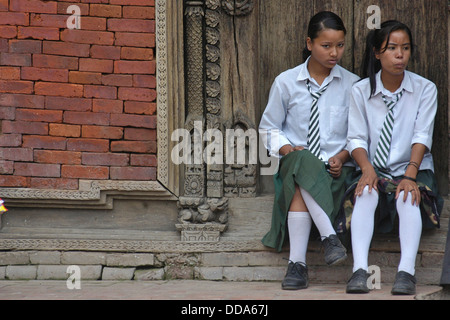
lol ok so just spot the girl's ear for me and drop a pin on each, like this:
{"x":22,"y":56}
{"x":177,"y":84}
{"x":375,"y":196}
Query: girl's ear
{"x":376,"y":53}
{"x":309,"y":43}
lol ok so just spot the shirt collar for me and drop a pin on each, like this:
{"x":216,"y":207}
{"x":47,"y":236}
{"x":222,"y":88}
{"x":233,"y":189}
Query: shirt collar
{"x":406,"y":85}
{"x":304,"y":74}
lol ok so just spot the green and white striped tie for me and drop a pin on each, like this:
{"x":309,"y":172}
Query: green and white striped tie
{"x":314,"y":130}
{"x":384,"y":144}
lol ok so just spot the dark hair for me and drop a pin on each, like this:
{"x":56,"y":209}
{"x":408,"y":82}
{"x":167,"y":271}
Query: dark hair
{"x":321,"y":21}
{"x":371,"y":65}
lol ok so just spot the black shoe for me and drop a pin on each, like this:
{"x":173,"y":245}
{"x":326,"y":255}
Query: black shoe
{"x":334,"y":250}
{"x":296,"y":277}
{"x":405,"y":284}
{"x":358,"y":282}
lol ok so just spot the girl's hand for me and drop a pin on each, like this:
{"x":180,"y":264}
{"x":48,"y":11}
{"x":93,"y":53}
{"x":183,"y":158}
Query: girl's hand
{"x":285,"y":150}
{"x":409,"y":186}
{"x":369,"y":178}
{"x":335,"y":167}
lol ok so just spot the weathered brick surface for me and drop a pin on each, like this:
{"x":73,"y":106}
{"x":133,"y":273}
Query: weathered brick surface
{"x":76,"y":104}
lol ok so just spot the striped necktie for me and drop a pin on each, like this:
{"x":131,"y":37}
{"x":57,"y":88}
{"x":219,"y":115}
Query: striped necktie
{"x":314,"y":130}
{"x":384,"y":144}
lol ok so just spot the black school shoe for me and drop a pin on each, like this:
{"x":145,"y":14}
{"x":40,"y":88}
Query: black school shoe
{"x":405,"y":284}
{"x":296,"y":277}
{"x":358,"y":282}
{"x":335,"y":252}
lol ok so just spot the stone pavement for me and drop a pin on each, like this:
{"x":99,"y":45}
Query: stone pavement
{"x":188,"y":290}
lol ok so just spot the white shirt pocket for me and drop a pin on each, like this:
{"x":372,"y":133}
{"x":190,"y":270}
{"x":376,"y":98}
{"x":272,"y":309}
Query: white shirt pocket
{"x":339,"y":121}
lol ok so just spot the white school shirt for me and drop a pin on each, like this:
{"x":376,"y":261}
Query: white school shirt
{"x":414,"y":117}
{"x":287,"y":115}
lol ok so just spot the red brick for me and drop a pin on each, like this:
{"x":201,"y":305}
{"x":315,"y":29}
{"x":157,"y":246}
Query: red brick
{"x":120,"y":80}
{"x":85,"y":172}
{"x":93,"y":23}
{"x":131,"y":25}
{"x":58,"y":89}
{"x":94,"y":118}
{"x":7,"y":113}
{"x":138,"y":12}
{"x":15,"y":59}
{"x":64,"y":130}
{"x":88,"y":36}
{"x":135,"y":67}
{"x":137,"y":94}
{"x":138,"y":107}
{"x":132,"y":120}
{"x":25,"y":127}
{"x":144,"y":81}
{"x":37,"y":169}
{"x":133,"y":173}
{"x":140,"y":134}
{"x":16,"y":154}
{"x":16,"y":86}
{"x":102,"y":132}
{"x":10,"y":73}
{"x":85,"y":77}
{"x":40,"y":33}
{"x":39,"y":115}
{"x":14,"y":18}
{"x":105,"y":52}
{"x":62,"y":8}
{"x":3,"y":45}
{"x":14,"y":181}
{"x":107,"y":106}
{"x":54,"y":183}
{"x":133,"y":146}
{"x":33,"y":73}
{"x":130,"y":53}
{"x":105,"y":159}
{"x":143,"y":160}
{"x":62,"y":103}
{"x":10,"y":140}
{"x":25,"y":46}
{"x":66,"y":48}
{"x":104,"y":10}
{"x":33,"y":6}
{"x":96,"y":65}
{"x":129,"y":39}
{"x":44,"y":142}
{"x":6,"y":167}
{"x":89,"y":145}
{"x":57,"y":62}
{"x":22,"y":100}
{"x":101,"y":92}
{"x":8,"y":32}
{"x":58,"y":157}
{"x":48,"y":20}
{"x":4,"y":5}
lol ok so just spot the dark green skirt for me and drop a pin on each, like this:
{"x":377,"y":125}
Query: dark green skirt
{"x":430,"y":206}
{"x":305,"y":170}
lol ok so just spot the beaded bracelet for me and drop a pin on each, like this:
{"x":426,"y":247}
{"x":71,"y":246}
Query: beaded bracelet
{"x":415,"y":164}
{"x":409,"y":178}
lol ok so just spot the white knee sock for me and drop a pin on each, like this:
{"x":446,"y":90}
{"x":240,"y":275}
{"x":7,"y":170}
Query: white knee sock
{"x":410,"y":230}
{"x":362,"y":225}
{"x":299,"y":226}
{"x":320,"y":218}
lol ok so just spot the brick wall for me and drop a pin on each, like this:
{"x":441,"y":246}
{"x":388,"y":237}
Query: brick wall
{"x":77,"y":103}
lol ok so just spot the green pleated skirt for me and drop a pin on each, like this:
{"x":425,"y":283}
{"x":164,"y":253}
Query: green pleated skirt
{"x":305,"y":170}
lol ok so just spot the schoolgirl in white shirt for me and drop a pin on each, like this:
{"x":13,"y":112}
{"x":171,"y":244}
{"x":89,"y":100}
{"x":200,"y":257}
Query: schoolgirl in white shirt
{"x":391,"y":122}
{"x":305,"y":124}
